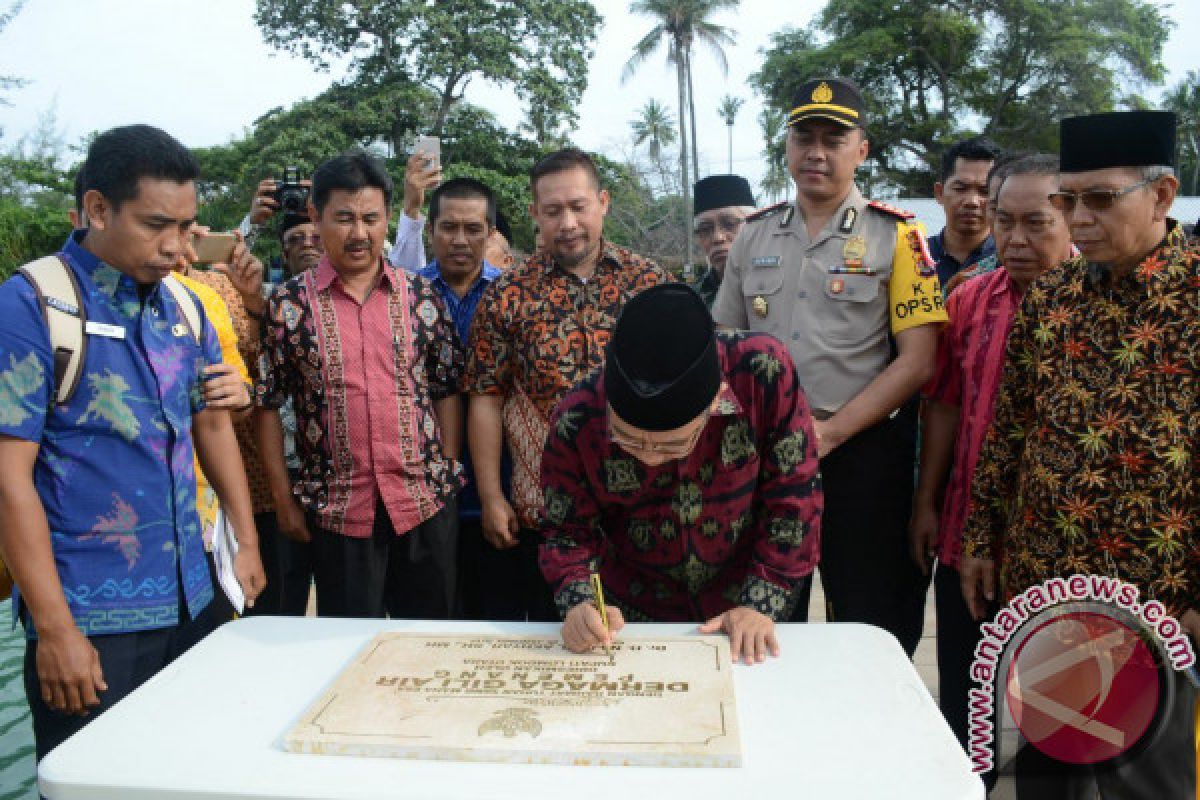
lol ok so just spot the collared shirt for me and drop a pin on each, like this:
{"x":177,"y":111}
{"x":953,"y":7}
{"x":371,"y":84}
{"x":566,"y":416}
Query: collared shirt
{"x":248,"y":341}
{"x":207,"y":504}
{"x":114,"y":466}
{"x":835,"y":299}
{"x":707,"y":286}
{"x":1090,"y":463}
{"x":970,"y":361}
{"x":539,"y":330}
{"x":948,"y":265}
{"x":735,"y":523}
{"x":363,"y":378}
{"x":462,"y":311}
{"x":544,"y":328}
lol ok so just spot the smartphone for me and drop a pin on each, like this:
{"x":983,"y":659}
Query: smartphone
{"x":432,"y":146}
{"x":214,"y":248}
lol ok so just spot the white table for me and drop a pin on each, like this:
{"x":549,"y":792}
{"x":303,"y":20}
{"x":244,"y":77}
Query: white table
{"x":841,"y":714}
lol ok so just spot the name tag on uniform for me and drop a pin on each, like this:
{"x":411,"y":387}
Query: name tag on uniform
{"x":765,"y":261}
{"x":93,"y":328}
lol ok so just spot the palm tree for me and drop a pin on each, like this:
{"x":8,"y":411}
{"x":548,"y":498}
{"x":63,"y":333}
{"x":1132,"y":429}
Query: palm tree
{"x":773,"y":124}
{"x":728,"y":109}
{"x":653,"y":127}
{"x":679,"y":24}
{"x":1184,"y":100}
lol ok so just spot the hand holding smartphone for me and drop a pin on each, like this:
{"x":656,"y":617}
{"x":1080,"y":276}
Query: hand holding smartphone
{"x":214,"y":248}
{"x":432,"y":147}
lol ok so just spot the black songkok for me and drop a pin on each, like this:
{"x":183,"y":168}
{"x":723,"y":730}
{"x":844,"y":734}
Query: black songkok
{"x":722,"y":191}
{"x":1117,"y":139}
{"x":662,"y":368}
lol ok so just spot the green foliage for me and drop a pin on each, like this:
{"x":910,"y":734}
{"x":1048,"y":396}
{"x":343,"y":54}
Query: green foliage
{"x":31,"y":231}
{"x":538,"y":47}
{"x":1184,"y":100}
{"x":935,"y":70}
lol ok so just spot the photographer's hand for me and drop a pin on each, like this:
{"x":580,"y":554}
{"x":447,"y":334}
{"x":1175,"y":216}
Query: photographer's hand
{"x":264,"y":205}
{"x":418,"y":179}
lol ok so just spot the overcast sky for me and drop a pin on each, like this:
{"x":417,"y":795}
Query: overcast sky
{"x":200,"y":70}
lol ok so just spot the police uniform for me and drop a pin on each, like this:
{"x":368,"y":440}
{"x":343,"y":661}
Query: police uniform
{"x":836,"y":300}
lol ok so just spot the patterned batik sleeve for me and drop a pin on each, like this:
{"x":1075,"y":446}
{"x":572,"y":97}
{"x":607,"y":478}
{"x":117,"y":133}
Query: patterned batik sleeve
{"x":26,"y":366}
{"x":946,"y":384}
{"x":996,"y":472}
{"x":572,"y":536}
{"x":788,"y":506}
{"x":276,"y":383}
{"x":444,"y":358}
{"x":489,"y":352}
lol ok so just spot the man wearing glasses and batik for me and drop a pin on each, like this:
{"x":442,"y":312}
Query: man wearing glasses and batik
{"x":722,"y":203}
{"x":1090,"y":463}
{"x":684,"y":472}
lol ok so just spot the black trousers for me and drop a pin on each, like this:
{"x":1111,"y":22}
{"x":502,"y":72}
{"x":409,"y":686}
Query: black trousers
{"x":503,"y":584}
{"x":127,"y":659}
{"x":288,"y":565}
{"x":410,"y":576}
{"x":866,"y":571}
{"x":1166,"y":770}
{"x":957,"y":635}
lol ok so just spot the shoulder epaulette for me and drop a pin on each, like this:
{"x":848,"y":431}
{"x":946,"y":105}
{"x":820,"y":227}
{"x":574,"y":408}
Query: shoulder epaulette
{"x":891,"y":210}
{"x":762,"y":213}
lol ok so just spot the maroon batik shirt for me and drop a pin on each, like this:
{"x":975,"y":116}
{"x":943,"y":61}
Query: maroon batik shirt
{"x":735,"y":523}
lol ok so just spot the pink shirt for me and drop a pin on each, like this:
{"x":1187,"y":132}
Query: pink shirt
{"x":380,"y":416}
{"x":970,"y":363}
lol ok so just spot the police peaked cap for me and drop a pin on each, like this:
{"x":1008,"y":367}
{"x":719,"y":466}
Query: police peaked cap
{"x":722,"y":191}
{"x":662,"y":370}
{"x":836,"y":99}
{"x":1117,"y":139}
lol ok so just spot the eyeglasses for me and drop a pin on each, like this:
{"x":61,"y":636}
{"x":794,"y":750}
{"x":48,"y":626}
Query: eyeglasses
{"x":670,"y":450}
{"x":728,"y":223}
{"x":1093,"y":199}
{"x":296,"y":239}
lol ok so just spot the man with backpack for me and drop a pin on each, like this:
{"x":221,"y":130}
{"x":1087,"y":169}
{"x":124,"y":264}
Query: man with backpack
{"x":104,"y":360}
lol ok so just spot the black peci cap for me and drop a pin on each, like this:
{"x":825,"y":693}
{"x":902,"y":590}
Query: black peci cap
{"x":836,"y":99}
{"x":1117,"y":139}
{"x":662,"y":368}
{"x":722,"y":191}
{"x":289,"y":221}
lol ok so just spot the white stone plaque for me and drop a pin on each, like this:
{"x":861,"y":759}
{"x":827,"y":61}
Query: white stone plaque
{"x":526,"y":699}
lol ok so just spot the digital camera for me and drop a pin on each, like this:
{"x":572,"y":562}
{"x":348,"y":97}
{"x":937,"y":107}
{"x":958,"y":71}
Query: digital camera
{"x":291,"y":196}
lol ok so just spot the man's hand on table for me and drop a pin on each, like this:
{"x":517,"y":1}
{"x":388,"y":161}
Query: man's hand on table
{"x":68,"y":669}
{"x":583,"y":630}
{"x":751,"y":634}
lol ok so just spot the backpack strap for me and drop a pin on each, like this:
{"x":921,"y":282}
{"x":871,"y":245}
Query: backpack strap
{"x":186,"y":303}
{"x":62,"y":307}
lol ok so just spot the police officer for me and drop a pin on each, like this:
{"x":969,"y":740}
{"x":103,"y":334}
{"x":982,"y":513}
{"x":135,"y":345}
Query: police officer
{"x":850,"y":287}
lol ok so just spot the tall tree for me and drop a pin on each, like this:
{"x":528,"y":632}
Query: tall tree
{"x":728,"y":110}
{"x":679,"y":24}
{"x":529,"y":45}
{"x":653,"y":127}
{"x":1184,"y":100}
{"x":932,"y":70}
{"x":772,"y":123}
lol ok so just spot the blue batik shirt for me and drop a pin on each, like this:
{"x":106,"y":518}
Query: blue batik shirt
{"x":114,"y":469}
{"x":462,"y":311}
